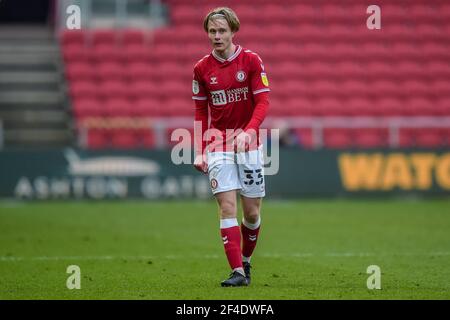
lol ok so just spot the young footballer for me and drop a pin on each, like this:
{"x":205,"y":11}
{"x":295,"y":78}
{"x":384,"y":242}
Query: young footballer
{"x":230,"y":87}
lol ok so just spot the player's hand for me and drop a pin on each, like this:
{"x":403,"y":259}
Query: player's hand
{"x":200,"y":163}
{"x":243,"y":141}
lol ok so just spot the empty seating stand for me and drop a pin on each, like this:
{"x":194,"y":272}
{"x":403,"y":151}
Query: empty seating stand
{"x":321,"y":60}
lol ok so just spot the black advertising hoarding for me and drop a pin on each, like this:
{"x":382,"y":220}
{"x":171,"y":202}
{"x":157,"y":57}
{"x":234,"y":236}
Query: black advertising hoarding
{"x":76,"y":174}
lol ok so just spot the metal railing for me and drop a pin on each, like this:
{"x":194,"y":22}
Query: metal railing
{"x":159,"y":126}
{"x":392,"y":124}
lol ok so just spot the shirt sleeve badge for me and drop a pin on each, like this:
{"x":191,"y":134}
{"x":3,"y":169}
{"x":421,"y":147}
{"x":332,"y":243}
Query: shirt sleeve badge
{"x":264,"y":79}
{"x":195,"y":87}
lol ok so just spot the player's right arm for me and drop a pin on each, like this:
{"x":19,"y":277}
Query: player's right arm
{"x":201,"y":121}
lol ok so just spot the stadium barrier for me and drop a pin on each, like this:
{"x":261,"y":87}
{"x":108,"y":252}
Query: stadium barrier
{"x":160,"y":127}
{"x":80,"y":174}
{"x":2,"y":135}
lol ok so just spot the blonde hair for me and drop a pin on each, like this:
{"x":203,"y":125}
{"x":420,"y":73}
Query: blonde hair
{"x":224,"y":13}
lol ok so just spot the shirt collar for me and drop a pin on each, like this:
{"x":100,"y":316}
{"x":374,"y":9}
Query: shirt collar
{"x":231,"y":58}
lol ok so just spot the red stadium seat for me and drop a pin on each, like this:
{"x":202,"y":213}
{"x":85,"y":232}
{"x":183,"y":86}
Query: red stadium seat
{"x":110,"y":71}
{"x":371,"y":138}
{"x":444,"y":10}
{"x":73,"y":37}
{"x":131,"y":37}
{"x":324,"y":87}
{"x":412,"y":87}
{"x":430,"y":32}
{"x":97,"y":138}
{"x":404,"y":50}
{"x":353,"y":88}
{"x":104,"y":37}
{"x":172,"y":88}
{"x":380,"y":69}
{"x":436,"y":70}
{"x":75,"y":53}
{"x":178,"y":107}
{"x":334,"y":13}
{"x":406,"y":138}
{"x":389,"y":88}
{"x":118,"y":107}
{"x":388,"y":107}
{"x":376,"y":51}
{"x":289,"y":69}
{"x":170,"y":71}
{"x":292,"y":88}
{"x":308,"y":32}
{"x":140,"y":71}
{"x":337,"y":138}
{"x":87,"y":107}
{"x":137,"y":53}
{"x":105,"y":53}
{"x":300,"y":107}
{"x":80,"y":71}
{"x":247,"y":12}
{"x":111,"y":89}
{"x":328,"y":107}
{"x":429,"y":138}
{"x":424,"y":13}
{"x":408,"y":70}
{"x":306,"y":13}
{"x":146,"y":137}
{"x":439,"y":88}
{"x":316,"y":70}
{"x":145,"y":89}
{"x":340,"y":32}
{"x":433,"y":51}
{"x":350,"y":70}
{"x":124,"y":138}
{"x":147,"y":107}
{"x":83,"y":89}
{"x":442,"y":106}
{"x":419,"y":107}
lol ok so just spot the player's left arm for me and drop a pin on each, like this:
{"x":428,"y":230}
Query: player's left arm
{"x":259,"y":86}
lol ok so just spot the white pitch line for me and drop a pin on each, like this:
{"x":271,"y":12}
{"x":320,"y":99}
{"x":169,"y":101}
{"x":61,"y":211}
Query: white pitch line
{"x":216,"y":256}
{"x":56,"y":258}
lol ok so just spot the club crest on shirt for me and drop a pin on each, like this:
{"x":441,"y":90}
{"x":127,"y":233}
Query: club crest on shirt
{"x":264,"y":79}
{"x":213,"y":80}
{"x":214,"y":184}
{"x":195,"y":87}
{"x":240,"y":76}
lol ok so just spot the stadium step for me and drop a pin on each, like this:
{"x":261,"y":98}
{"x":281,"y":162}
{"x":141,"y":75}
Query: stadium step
{"x":32,"y":91}
{"x":28,"y":119}
{"x":29,"y":98}
{"x":29,"y":80}
{"x":36,"y":137}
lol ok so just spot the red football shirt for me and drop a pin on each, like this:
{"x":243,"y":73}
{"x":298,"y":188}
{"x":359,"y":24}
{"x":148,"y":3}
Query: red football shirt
{"x":230,"y":86}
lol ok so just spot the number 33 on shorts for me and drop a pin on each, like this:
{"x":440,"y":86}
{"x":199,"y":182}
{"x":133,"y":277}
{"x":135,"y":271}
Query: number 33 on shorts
{"x":226,"y":173}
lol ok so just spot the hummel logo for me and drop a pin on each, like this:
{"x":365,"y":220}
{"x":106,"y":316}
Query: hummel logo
{"x":213,"y":80}
{"x":252,"y":237}
{"x":225,"y":239}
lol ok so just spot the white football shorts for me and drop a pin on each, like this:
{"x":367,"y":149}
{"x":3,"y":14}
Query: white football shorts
{"x":242,"y":171}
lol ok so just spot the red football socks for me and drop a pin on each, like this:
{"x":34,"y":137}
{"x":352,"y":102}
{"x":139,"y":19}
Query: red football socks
{"x":231,"y":238}
{"x":249,"y":238}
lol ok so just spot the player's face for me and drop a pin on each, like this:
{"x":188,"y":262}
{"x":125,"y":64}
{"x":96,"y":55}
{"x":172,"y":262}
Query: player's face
{"x":220,"y":34}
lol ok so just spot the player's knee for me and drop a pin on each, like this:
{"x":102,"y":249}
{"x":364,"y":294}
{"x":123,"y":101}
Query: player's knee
{"x":251,"y":215}
{"x":228,"y":209}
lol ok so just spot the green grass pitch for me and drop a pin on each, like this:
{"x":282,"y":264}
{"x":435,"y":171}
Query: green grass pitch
{"x":312,"y":249}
